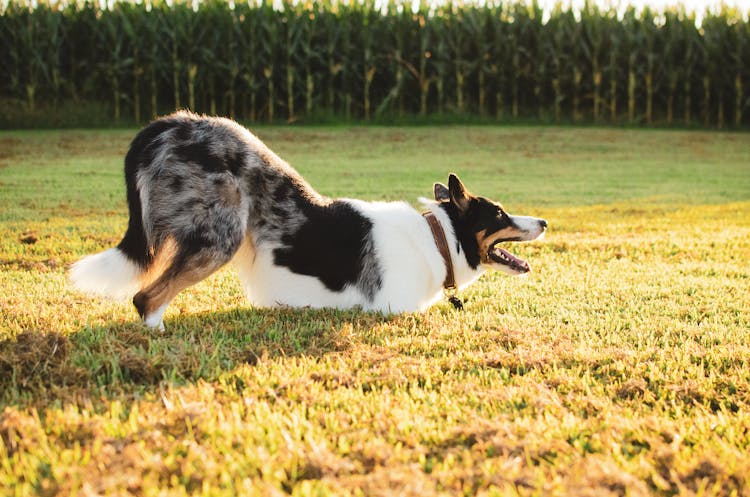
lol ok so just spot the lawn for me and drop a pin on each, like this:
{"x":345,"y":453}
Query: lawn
{"x":619,"y":366}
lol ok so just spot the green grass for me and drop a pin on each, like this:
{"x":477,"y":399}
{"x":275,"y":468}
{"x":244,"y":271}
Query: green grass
{"x":620,"y":366}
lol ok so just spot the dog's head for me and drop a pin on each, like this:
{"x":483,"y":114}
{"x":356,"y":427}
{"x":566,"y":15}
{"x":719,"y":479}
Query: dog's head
{"x":481,"y":225}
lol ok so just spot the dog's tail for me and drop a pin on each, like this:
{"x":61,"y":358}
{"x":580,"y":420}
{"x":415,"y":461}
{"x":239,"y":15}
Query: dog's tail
{"x":109,"y":274}
{"x":118,"y":273}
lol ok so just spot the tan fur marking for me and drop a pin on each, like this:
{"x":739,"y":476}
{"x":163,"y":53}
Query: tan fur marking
{"x":245,"y":256}
{"x":486,"y":242}
{"x":165,"y":288}
{"x":161,"y":261}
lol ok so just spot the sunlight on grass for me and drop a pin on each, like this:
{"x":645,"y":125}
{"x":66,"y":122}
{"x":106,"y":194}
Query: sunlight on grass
{"x":619,"y":366}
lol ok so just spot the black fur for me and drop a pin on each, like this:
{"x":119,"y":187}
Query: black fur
{"x":233,"y":161}
{"x":139,"y":301}
{"x":200,"y":153}
{"x":283,"y":191}
{"x":333,"y":245}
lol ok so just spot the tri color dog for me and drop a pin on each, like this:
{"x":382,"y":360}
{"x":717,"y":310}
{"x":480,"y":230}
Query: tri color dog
{"x":204,"y":191}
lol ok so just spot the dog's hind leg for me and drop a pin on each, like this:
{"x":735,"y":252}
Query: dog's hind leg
{"x":186,"y":259}
{"x":185,"y":269}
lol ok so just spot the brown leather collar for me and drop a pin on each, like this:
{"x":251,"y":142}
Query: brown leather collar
{"x":442,"y":244}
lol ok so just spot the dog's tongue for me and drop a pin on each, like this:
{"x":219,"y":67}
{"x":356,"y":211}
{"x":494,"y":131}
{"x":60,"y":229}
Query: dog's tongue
{"x":511,"y":259}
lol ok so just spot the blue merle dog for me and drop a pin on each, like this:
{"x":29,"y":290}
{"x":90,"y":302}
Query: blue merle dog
{"x":204,"y":191}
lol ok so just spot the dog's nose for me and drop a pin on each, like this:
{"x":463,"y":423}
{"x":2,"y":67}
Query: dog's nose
{"x":543,"y":223}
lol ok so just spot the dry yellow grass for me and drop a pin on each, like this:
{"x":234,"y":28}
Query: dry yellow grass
{"x":620,"y":366}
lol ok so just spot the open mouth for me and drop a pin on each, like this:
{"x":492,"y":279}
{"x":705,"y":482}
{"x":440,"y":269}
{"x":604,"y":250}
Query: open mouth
{"x":510,"y":261}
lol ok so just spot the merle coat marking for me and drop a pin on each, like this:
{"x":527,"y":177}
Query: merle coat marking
{"x":205,"y":191}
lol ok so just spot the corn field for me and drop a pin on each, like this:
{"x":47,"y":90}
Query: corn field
{"x":362,"y":61}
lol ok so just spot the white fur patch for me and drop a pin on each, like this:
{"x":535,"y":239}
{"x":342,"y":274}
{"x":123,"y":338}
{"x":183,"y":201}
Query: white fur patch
{"x":109,"y":274}
{"x":532,"y":226}
{"x":154,"y":320}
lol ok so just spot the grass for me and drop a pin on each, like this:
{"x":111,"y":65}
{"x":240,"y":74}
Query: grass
{"x":620,"y":366}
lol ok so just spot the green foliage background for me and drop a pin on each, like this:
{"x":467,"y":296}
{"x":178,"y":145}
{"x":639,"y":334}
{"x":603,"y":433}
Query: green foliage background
{"x":77,"y":63}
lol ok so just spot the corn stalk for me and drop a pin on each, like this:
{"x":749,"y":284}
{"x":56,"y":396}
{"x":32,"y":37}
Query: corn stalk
{"x":479,"y":27}
{"x":12,"y":27}
{"x":592,"y":45}
{"x":356,"y":60}
{"x":250,"y":63}
{"x":459,"y":64}
{"x":131,"y":26}
{"x":613,"y":70}
{"x":634,"y":49}
{"x":441,"y":58}
{"x":368,"y":60}
{"x":348,"y":65}
{"x":500,"y":55}
{"x":269,"y":44}
{"x":559,"y":27}
{"x":648,"y":40}
{"x":738,"y":52}
{"x":310,"y":56}
{"x":692,"y":50}
{"x":424,"y":56}
{"x":116,"y":61}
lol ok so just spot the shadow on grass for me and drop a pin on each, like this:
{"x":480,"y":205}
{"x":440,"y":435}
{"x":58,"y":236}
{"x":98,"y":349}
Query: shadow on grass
{"x":38,"y":367}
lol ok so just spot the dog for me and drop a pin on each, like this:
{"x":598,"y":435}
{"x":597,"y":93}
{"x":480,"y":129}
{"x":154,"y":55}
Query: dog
{"x":204,"y":191}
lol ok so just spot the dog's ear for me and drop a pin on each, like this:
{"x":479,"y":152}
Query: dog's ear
{"x":459,"y":195}
{"x":441,"y":192}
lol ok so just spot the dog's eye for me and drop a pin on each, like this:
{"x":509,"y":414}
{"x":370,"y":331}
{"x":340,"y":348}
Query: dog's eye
{"x":504,"y":219}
